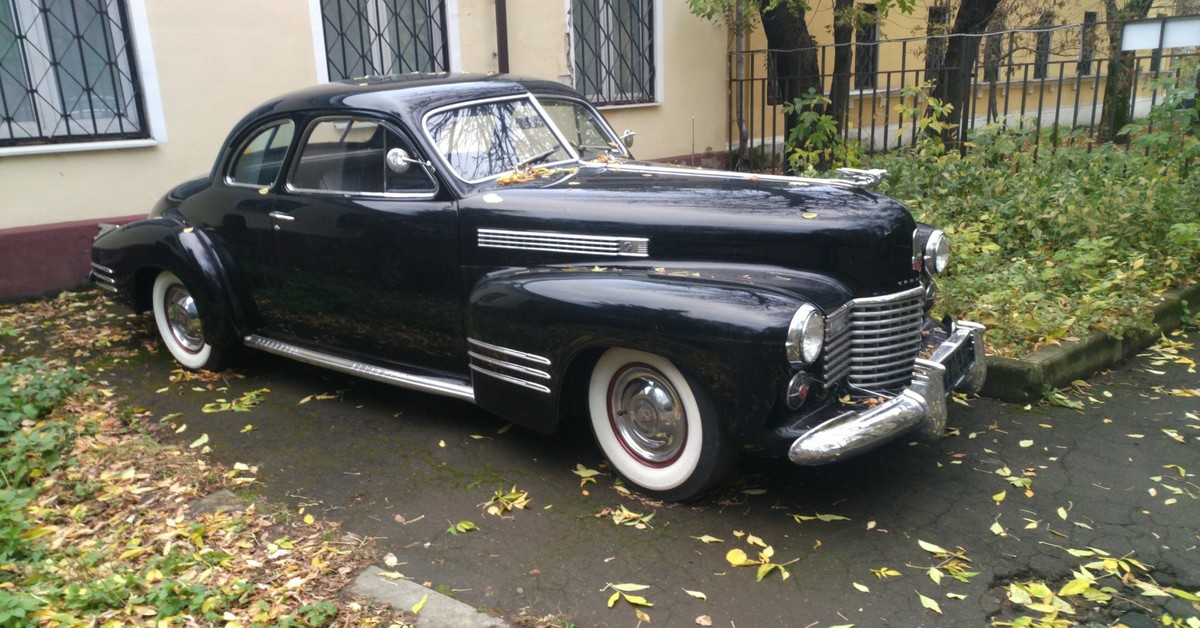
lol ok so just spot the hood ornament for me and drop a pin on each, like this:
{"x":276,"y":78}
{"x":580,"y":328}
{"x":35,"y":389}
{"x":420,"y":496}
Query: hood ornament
{"x":863,"y":177}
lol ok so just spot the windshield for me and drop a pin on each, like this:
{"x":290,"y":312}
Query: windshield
{"x":488,"y":139}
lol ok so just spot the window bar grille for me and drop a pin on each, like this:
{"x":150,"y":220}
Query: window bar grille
{"x":69,"y":74}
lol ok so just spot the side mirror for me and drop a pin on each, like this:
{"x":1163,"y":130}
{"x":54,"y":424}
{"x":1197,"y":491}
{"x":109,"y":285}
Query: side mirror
{"x":627,"y":138}
{"x":398,"y":160}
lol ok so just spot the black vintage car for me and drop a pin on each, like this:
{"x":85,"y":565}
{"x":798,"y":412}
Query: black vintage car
{"x":489,"y":238}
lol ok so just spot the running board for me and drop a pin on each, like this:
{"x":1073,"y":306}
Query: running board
{"x":438,"y":386}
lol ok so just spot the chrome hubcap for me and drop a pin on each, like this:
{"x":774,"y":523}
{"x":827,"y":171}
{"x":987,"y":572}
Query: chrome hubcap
{"x":647,"y":415}
{"x":184,"y":318}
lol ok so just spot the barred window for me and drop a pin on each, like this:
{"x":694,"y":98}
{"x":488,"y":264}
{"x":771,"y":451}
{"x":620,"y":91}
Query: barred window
{"x":379,"y":37}
{"x":866,"y":51}
{"x":613,"y":48}
{"x":67,"y":73}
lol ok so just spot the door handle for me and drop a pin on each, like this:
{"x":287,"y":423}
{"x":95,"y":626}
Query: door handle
{"x":282,"y":216}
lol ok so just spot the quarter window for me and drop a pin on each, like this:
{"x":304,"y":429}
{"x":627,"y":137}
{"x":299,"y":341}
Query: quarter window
{"x":67,"y":73}
{"x":379,"y":37}
{"x":349,"y":156}
{"x":260,"y":158}
{"x":613,"y":48}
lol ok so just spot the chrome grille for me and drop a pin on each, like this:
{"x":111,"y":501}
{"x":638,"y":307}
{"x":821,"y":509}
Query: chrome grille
{"x":875,"y":340}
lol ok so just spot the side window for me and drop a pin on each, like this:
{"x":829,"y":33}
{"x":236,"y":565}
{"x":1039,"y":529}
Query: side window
{"x":349,"y":155}
{"x":260,"y":158}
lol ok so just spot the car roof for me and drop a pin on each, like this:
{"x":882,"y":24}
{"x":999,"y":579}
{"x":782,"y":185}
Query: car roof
{"x":407,"y":95}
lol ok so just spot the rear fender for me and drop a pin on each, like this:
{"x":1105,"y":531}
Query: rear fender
{"x":547,"y":327}
{"x":138,"y":251}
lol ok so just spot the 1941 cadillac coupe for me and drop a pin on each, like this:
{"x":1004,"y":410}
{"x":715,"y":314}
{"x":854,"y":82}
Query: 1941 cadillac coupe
{"x":490,"y":238}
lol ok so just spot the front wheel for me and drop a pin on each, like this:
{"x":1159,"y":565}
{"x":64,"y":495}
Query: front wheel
{"x":181,"y":325}
{"x":656,"y":429}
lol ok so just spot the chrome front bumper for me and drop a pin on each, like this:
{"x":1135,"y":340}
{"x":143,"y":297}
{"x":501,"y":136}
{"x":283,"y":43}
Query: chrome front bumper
{"x":957,"y":364}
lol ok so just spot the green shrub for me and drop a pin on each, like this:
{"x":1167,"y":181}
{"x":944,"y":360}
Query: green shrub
{"x":815,"y":142}
{"x":33,"y":445}
{"x":1053,"y":237}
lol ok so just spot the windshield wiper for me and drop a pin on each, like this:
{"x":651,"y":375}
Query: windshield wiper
{"x":536,"y":158}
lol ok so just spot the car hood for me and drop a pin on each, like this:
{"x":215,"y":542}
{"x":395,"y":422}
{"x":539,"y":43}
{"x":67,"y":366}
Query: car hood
{"x":858,"y":237}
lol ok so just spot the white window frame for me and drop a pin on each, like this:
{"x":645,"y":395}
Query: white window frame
{"x":321,"y":62}
{"x":143,"y":57}
{"x":657,"y":33}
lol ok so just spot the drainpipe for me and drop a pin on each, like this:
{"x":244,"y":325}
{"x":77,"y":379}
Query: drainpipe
{"x":502,"y":36}
{"x":739,"y":48}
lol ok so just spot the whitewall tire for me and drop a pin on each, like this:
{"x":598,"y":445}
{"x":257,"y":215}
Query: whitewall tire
{"x":655,"y":427}
{"x":181,"y":325}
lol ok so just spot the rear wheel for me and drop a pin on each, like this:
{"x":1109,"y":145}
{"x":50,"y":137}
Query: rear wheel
{"x":181,"y":324}
{"x":655,"y":427}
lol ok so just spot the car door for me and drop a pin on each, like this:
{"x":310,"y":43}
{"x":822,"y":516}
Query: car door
{"x":366,"y":254}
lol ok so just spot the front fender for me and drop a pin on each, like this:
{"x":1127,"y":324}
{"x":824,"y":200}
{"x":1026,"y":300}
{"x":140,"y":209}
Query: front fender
{"x":726,"y":335}
{"x":135,"y":253}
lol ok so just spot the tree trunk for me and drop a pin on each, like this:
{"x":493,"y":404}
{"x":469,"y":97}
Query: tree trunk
{"x":953,"y":83}
{"x":843,"y":61}
{"x":793,"y":54}
{"x":1118,"y":86}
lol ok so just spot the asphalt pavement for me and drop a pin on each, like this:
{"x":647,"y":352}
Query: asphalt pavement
{"x":1014,"y":494}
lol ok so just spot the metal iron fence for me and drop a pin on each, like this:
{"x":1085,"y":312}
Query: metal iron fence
{"x":1048,"y":77}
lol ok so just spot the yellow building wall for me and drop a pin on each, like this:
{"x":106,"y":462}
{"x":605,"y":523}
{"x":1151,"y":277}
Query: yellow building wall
{"x":218,"y":59}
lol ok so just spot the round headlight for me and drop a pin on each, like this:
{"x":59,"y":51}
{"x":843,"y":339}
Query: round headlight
{"x":937,"y":252}
{"x":806,"y":335}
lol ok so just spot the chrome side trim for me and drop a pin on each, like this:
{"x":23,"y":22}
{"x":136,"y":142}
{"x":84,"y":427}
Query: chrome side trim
{"x":611,"y":246}
{"x":525,"y":375}
{"x":524,"y":370}
{"x":512,"y":380}
{"x":102,"y":277}
{"x":438,"y":386}
{"x":512,"y":352}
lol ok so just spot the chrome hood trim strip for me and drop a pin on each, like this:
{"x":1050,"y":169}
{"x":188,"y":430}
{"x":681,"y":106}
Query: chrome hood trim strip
{"x":608,"y":246}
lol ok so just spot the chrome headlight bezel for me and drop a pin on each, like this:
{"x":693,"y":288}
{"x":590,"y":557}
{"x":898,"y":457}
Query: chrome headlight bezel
{"x":937,"y":252}
{"x":805,"y":336}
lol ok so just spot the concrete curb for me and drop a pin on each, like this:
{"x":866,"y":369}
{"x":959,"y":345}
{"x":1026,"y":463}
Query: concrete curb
{"x":1027,"y":378}
{"x":439,"y":610}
